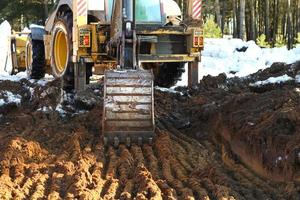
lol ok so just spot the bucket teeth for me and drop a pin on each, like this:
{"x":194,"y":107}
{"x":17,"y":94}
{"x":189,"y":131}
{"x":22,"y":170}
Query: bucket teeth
{"x":128,"y":113}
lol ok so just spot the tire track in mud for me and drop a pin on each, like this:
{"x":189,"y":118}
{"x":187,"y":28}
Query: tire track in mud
{"x":125,"y":171}
{"x":174,"y":167}
{"x":47,"y":156}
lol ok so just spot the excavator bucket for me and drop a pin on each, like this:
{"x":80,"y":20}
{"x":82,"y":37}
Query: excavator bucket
{"x":128,"y":114}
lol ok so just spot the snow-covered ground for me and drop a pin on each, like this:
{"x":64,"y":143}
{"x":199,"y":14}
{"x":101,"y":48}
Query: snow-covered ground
{"x":170,"y":90}
{"x":9,"y":98}
{"x":23,"y":75}
{"x":231,"y":56}
{"x":222,"y":55}
{"x":225,"y":55}
{"x":273,"y":80}
{"x":4,"y":76}
{"x":5,"y":54}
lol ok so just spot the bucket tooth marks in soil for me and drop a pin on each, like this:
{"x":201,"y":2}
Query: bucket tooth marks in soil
{"x":44,"y":155}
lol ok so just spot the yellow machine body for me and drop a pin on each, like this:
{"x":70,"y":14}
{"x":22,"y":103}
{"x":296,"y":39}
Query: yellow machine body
{"x":98,"y":34}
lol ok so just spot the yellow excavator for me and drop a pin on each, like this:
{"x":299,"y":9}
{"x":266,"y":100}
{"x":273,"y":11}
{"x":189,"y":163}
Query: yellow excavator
{"x":136,"y":44}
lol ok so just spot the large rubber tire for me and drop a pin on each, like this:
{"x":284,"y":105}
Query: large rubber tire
{"x":35,"y":59}
{"x":89,"y":72}
{"x":168,"y":74}
{"x":63,"y":24}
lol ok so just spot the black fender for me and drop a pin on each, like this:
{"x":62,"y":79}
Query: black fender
{"x":63,"y":4}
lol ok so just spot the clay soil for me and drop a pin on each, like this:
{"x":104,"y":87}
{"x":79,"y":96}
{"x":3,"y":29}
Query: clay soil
{"x":222,"y":139}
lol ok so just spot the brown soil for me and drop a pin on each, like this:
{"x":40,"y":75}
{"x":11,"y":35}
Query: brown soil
{"x":220,"y":140}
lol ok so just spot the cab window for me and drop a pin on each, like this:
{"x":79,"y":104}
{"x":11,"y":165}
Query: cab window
{"x":109,"y":8}
{"x":148,"y":11}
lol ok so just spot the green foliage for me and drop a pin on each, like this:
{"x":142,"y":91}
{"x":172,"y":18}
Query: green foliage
{"x":211,"y":29}
{"x":280,"y":41}
{"x":226,"y":30}
{"x":261,"y":41}
{"x":31,"y":11}
{"x":298,"y":38}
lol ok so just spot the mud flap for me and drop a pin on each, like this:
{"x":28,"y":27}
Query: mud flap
{"x":128,"y":113}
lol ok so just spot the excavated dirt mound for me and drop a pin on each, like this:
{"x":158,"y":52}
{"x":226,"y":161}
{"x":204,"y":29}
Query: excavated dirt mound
{"x":218,"y":140}
{"x":260,"y":124}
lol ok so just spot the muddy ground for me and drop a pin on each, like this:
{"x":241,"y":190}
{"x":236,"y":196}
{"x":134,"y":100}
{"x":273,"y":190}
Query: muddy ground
{"x":222,"y":139}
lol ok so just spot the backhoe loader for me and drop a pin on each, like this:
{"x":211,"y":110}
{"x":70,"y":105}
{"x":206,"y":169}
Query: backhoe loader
{"x":136,"y":44}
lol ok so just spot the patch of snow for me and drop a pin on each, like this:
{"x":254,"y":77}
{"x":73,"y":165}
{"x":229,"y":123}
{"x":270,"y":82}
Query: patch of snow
{"x":82,"y":112}
{"x":224,"y":56}
{"x":60,"y":110}
{"x":10,"y":98}
{"x":31,"y":90}
{"x":5,"y":46}
{"x":43,"y":82}
{"x":297,"y":79}
{"x":2,"y":102}
{"x":184,"y":77}
{"x":273,"y":80}
{"x":279,"y":159}
{"x":297,"y":90}
{"x":169,"y":90}
{"x":251,"y":123}
{"x":4,"y":76}
{"x":45,"y":109}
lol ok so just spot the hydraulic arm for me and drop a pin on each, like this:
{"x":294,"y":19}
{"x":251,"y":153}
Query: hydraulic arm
{"x":128,"y":114}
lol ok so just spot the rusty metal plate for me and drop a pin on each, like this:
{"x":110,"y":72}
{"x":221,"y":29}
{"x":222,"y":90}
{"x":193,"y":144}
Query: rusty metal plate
{"x":128,"y":105}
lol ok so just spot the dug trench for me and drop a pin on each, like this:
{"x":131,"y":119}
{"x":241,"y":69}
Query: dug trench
{"x":222,"y":139}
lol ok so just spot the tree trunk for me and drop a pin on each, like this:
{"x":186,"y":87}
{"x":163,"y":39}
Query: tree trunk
{"x":298,"y":16}
{"x":252,"y":35}
{"x":260,"y":18}
{"x":267,"y":20}
{"x":295,"y":19}
{"x":218,"y":13}
{"x":234,"y":17}
{"x":237,"y":18}
{"x":247,"y":21}
{"x":242,"y":19}
{"x":256,"y":16}
{"x":289,"y":26}
{"x":224,"y":9}
{"x":275,"y":21}
{"x":284,"y":21}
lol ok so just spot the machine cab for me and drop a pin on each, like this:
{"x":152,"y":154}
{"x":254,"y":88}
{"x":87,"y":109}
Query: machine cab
{"x":153,"y":12}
